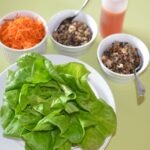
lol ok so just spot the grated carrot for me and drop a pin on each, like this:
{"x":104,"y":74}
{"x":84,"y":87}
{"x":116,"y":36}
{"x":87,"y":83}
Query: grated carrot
{"x":21,"y":32}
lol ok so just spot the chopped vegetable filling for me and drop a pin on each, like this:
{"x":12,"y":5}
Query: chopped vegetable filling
{"x":21,"y":32}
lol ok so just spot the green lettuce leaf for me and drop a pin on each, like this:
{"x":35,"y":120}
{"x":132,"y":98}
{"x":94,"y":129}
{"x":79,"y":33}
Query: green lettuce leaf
{"x":105,"y":117}
{"x":94,"y":143}
{"x":71,"y":107}
{"x":16,"y":79}
{"x":77,"y":70}
{"x":14,"y":129}
{"x":7,"y":114}
{"x":75,"y":132}
{"x":66,"y":146}
{"x":52,"y":107}
{"x":45,"y":123}
{"x":38,"y":140}
{"x":12,"y":98}
{"x":86,"y":119}
{"x":29,"y":118}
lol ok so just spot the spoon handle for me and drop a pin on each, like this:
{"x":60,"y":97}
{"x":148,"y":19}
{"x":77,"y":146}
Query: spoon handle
{"x":139,"y":86}
{"x":83,"y":6}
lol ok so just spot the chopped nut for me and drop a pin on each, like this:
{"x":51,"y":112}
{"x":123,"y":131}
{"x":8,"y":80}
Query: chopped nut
{"x":104,"y":58}
{"x":71,"y":29}
{"x":124,"y":50}
{"x":108,"y":63}
{"x":120,"y":66}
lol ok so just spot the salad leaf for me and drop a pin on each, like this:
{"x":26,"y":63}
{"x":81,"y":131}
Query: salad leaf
{"x":52,"y":107}
{"x":66,"y":146}
{"x":59,"y":141}
{"x":89,"y":143}
{"x":16,"y":79}
{"x":38,"y":140}
{"x":52,"y":72}
{"x":7,"y":114}
{"x":29,"y":118}
{"x":55,"y":134}
{"x":12,"y":98}
{"x":23,"y":100}
{"x":14,"y":129}
{"x":37,"y":71}
{"x":61,"y":121}
{"x":77,"y":70}
{"x":27,"y":147}
{"x":75,"y":132}
{"x":44,"y":123}
{"x":71,"y":107}
{"x":86,"y":119}
{"x":105,"y":117}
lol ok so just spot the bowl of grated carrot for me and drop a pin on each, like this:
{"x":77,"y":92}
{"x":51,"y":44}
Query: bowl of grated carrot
{"x":22,"y":31}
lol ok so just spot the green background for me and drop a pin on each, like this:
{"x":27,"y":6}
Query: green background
{"x":133,"y":131}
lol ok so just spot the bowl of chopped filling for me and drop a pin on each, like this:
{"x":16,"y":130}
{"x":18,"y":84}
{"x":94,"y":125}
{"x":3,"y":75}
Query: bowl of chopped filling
{"x":120,"y":55}
{"x":22,"y":31}
{"x":72,"y":37}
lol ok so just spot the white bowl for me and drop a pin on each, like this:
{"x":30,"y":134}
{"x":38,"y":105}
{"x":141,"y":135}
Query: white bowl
{"x":11,"y":53}
{"x":143,"y":51}
{"x":71,"y":50}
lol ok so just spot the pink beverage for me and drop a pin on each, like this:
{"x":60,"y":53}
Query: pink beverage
{"x":112,"y":16}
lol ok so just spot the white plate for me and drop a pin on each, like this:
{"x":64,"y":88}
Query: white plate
{"x":97,"y":83}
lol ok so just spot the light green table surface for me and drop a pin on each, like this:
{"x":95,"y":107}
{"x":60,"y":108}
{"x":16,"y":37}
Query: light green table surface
{"x":133,"y":131}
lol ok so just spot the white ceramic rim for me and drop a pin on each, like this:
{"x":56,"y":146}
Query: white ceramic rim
{"x":106,"y":70}
{"x":94,"y":34}
{"x":35,"y":46}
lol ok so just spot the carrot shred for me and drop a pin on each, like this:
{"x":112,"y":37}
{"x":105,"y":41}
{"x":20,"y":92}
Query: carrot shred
{"x":21,"y":32}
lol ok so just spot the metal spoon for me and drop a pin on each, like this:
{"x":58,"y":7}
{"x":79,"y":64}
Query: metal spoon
{"x":69,"y":19}
{"x":139,"y":86}
{"x":79,"y":11}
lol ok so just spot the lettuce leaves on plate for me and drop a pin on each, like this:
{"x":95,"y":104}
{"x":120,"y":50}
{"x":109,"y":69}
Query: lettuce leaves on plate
{"x":52,"y":107}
